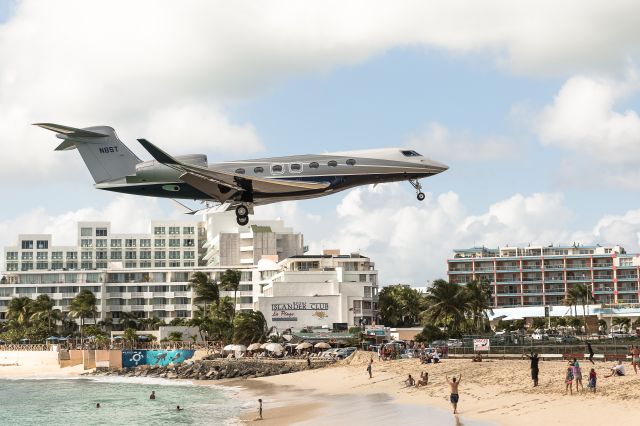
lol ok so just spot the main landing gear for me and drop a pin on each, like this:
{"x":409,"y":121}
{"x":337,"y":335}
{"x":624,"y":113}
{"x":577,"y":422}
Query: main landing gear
{"x":416,"y":184}
{"x":242,"y":215}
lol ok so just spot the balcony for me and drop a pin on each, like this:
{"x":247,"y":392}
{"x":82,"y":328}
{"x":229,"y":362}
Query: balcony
{"x":554,"y":266}
{"x":627,"y":278}
{"x":182,"y":307}
{"x":460,"y":271}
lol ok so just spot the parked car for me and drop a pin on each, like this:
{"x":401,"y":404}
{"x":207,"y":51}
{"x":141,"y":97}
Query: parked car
{"x":454,"y":343}
{"x":540,"y":336}
{"x":567,"y":340}
{"x":343,"y":353}
{"x":619,"y":335}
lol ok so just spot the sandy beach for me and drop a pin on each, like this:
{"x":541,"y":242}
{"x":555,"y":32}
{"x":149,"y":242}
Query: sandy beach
{"x":494,"y":391}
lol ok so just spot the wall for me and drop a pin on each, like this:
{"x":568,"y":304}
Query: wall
{"x":155,"y":357}
{"x":29,"y":358}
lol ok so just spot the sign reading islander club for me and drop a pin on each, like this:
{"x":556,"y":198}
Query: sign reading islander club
{"x":287,"y":311}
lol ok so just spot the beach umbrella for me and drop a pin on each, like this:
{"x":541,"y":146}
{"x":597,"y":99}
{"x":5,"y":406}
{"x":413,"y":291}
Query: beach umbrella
{"x":264,"y":345}
{"x":322,"y":345}
{"x":274,"y":347}
{"x":24,"y":340}
{"x":239,"y":348}
{"x":304,"y":345}
{"x":62,"y":339}
{"x":254,"y":347}
{"x":228,"y":348}
{"x":52,"y":338}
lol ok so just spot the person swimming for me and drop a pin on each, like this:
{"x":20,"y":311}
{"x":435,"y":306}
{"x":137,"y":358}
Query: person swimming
{"x":153,"y":395}
{"x":98,"y":405}
{"x":178,"y":408}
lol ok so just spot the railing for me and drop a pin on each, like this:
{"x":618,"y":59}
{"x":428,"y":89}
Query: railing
{"x":559,"y":349}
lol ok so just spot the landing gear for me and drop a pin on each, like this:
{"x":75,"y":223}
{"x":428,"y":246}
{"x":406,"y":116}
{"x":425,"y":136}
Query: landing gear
{"x":416,"y":184}
{"x":242,"y":215}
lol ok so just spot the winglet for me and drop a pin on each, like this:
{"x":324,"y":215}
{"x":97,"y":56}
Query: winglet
{"x":158,"y":154}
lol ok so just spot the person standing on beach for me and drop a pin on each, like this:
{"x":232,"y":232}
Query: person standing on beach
{"x":569,"y":380}
{"x":260,"y":409}
{"x":590,"y":350}
{"x":308,"y":361}
{"x":370,"y":368}
{"x":592,"y":380}
{"x":455,"y":396}
{"x":577,"y":374}
{"x":534,"y":368}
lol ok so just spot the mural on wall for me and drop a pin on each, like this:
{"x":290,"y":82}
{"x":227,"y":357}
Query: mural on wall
{"x":160,"y":358}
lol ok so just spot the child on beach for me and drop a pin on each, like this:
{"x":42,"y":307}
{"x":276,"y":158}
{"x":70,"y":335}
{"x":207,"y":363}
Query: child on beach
{"x":569,"y":380}
{"x":592,"y":380}
{"x":577,"y":374}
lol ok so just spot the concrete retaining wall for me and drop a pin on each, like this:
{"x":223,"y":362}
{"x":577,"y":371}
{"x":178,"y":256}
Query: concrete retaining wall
{"x":29,"y":358}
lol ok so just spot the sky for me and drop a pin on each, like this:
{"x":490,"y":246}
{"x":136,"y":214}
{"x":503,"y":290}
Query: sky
{"x":533,"y":105}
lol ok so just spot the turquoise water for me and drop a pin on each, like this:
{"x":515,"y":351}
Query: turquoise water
{"x":123,"y":401}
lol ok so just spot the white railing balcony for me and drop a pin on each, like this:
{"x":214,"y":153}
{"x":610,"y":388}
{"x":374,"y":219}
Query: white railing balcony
{"x":137,"y":308}
{"x":182,"y":294}
{"x":137,"y":294}
{"x":246,"y":248}
{"x":169,"y":307}
{"x":126,"y":308}
{"x":182,"y":307}
{"x":159,"y":307}
{"x":158,"y":294}
{"x":114,"y":295}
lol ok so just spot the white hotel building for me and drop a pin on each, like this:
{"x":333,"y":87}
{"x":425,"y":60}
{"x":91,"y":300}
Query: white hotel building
{"x":147,"y":275}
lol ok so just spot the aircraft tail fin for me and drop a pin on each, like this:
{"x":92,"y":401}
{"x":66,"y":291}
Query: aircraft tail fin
{"x":104,"y":154}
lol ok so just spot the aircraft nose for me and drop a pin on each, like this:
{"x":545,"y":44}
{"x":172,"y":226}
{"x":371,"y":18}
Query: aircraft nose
{"x":435,"y":165}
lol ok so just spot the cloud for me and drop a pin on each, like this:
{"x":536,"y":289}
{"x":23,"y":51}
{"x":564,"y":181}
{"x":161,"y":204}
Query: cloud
{"x":159,"y":68}
{"x":438,"y":142}
{"x":63,"y":226}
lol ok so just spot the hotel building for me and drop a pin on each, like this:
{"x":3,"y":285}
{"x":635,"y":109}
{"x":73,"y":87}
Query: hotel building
{"x":542,"y":276}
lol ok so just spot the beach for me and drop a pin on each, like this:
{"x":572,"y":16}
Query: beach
{"x":492,"y":391}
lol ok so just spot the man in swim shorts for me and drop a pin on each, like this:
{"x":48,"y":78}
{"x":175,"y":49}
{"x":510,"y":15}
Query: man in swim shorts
{"x":635,"y":358}
{"x":454,"y":383}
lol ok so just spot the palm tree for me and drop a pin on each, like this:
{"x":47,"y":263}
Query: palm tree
{"x":206,"y":290}
{"x":177,"y":322}
{"x":130,"y":336}
{"x":129,"y":320}
{"x":43,"y":310}
{"x":230,"y":281}
{"x":478,"y":295}
{"x":447,"y":305}
{"x":583,"y":296}
{"x":250,"y":327}
{"x":571,"y":300}
{"x":19,"y":310}
{"x":83,"y":306}
{"x":622,"y":323}
{"x":602,"y":326}
{"x":106,"y":325}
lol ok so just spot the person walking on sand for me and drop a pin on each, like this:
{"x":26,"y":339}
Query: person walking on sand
{"x":534,"y":367}
{"x":260,"y":409}
{"x":455,"y":396}
{"x":590,"y":350}
{"x":568,"y":379}
{"x":370,"y":368}
{"x":635,"y":358}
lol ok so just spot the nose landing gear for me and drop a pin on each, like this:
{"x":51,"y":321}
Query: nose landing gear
{"x":242,"y":215}
{"x":416,"y":184}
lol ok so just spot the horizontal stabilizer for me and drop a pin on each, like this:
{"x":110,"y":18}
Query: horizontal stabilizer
{"x":71,"y":132}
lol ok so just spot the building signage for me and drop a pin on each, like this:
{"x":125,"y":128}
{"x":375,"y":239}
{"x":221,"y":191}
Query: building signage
{"x":286,"y":311}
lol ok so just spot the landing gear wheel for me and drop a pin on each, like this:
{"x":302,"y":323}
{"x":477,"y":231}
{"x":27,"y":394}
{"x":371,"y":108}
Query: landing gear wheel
{"x":242,"y":211}
{"x":421,"y":196}
{"x":242,"y":220}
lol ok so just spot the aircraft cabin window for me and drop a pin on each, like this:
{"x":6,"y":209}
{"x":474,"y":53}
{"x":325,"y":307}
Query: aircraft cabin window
{"x":277,"y":169}
{"x":332,"y":163}
{"x":351,"y":162}
{"x":295,"y":167}
{"x":240,"y":171}
{"x":258,"y":170}
{"x":410,"y":154}
{"x":314,"y":165}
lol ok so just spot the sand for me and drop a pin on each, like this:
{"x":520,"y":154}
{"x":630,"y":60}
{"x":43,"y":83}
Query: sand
{"x":496,"y":391}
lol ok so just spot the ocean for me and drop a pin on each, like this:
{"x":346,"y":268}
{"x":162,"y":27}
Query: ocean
{"x":123,"y":401}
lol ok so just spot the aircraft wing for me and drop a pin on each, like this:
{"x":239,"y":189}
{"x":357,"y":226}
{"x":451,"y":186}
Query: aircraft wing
{"x":222,"y":185}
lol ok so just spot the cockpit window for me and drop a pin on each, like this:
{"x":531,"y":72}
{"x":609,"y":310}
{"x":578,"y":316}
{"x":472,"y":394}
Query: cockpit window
{"x":410,"y":154}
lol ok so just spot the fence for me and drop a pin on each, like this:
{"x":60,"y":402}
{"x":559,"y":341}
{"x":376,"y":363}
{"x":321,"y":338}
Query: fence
{"x":558,"y":349}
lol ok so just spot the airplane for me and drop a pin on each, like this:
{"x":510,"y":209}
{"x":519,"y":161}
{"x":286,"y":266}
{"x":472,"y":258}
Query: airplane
{"x":241,"y":184}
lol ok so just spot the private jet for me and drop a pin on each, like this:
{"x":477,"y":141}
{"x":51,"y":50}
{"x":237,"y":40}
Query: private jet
{"x":242,"y":184}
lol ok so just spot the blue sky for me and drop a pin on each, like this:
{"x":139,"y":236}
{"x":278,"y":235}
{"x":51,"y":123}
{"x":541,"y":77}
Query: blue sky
{"x":541,"y":134}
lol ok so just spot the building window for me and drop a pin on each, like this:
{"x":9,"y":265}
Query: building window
{"x":246,"y":299}
{"x":188,"y":230}
{"x":159,"y":243}
{"x":189,"y":255}
{"x":188,"y":264}
{"x":129,"y":254}
{"x":314,"y":165}
{"x":86,"y":255}
{"x":160,"y":255}
{"x":72,"y":265}
{"x":145,"y":255}
{"x":332,"y":163}
{"x":86,"y":243}
{"x":42,"y":244}
{"x":101,"y":232}
{"x":27,"y":255}
{"x":174,"y":264}
{"x":174,"y":243}
{"x":277,"y":169}
{"x":42,"y":255}
{"x":146,"y":264}
{"x":42,"y":265}
{"x":240,"y":171}
{"x":12,"y":255}
{"x":130,"y":264}
{"x":101,"y":265}
{"x":27,"y":266}
{"x":258,"y":170}
{"x":174,"y":230}
{"x":72,"y":255}
{"x":130,"y":242}
{"x":12,"y":266}
{"x":27,"y":245}
{"x":116,"y":243}
{"x":86,"y":265}
{"x":174,"y":255}
{"x":159,"y":230}
{"x":102,"y":255}
{"x":85,"y":232}
{"x":145,"y":242}
{"x":159,"y":264}
{"x":116,"y":255}
{"x":351,"y":162}
{"x":189,"y":242}
{"x":101,"y":243}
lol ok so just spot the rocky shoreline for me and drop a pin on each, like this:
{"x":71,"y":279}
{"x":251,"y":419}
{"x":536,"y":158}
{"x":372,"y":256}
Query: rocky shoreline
{"x":216,"y":369}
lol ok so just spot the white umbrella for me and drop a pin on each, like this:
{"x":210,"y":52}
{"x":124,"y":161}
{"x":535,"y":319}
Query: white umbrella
{"x":274,"y":347}
{"x":322,"y":345}
{"x":304,"y":345}
{"x":254,"y":347}
{"x":264,"y":345}
{"x":228,"y":348}
{"x":239,"y":348}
